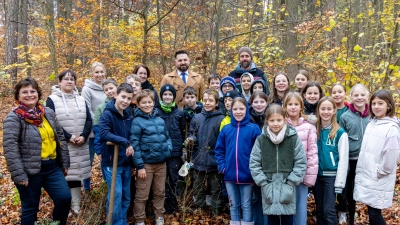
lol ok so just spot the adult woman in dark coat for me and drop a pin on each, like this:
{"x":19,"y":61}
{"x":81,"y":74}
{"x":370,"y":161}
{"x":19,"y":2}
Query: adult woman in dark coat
{"x":36,"y":153}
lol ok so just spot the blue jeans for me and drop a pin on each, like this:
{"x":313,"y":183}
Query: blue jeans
{"x":122,"y":193}
{"x":325,"y":198}
{"x":86,"y":182}
{"x":300,"y":218}
{"x":280,"y":219}
{"x":53,"y":181}
{"x":240,"y":195}
{"x":258,"y":216}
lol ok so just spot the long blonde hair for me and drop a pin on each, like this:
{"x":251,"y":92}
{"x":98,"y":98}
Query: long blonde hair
{"x":335,"y":125}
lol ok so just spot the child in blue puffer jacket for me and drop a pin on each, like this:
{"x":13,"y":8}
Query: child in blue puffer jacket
{"x":233,"y":154}
{"x":152,"y":145}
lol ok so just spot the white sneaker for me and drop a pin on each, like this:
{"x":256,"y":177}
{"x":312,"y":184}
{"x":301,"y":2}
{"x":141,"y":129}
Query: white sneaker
{"x":342,"y":218}
{"x":142,"y":223}
{"x":160,"y":221}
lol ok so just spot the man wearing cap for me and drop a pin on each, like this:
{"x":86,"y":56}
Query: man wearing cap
{"x":246,"y":64}
{"x":183,"y":77}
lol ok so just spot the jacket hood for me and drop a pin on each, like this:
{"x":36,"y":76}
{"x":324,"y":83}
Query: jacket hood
{"x":387,"y":120}
{"x":93,"y":85}
{"x":300,"y":121}
{"x":239,"y":69}
{"x":244,"y":121}
{"x":111,"y":106}
{"x":251,"y":80}
{"x":258,"y":81}
{"x":360,"y":114}
{"x":289,"y":131}
{"x":56,"y":90}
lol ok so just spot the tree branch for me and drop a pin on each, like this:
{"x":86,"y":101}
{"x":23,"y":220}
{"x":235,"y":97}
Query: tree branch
{"x":163,"y":16}
{"x":129,"y":10}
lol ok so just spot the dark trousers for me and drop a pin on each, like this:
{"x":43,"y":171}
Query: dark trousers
{"x":346,"y":201}
{"x":171,"y":184}
{"x":201,"y":180}
{"x":375,"y":216}
{"x":280,"y":219}
{"x":53,"y":181}
{"x":86,"y":182}
{"x":325,"y":198}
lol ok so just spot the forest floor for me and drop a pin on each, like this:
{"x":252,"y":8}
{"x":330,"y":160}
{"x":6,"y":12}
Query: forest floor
{"x":93,"y":206}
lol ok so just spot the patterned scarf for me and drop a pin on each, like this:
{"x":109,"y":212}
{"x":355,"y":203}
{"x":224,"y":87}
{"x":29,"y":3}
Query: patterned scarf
{"x":33,"y":116}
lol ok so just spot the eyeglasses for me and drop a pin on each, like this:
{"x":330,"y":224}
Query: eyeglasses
{"x":26,"y":93}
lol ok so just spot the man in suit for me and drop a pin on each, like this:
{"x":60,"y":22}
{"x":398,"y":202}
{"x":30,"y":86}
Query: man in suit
{"x":183,"y":77}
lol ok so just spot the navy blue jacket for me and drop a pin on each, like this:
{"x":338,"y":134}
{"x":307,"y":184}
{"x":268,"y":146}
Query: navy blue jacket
{"x":149,"y":139}
{"x":233,"y":149}
{"x":114,"y":128}
{"x":256,"y":72}
{"x":204,"y":129}
{"x":175,"y":122}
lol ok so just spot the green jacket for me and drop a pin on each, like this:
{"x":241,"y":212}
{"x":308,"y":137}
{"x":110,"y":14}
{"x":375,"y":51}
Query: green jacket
{"x":99,"y":111}
{"x":278,"y":188}
{"x":354,"y":125}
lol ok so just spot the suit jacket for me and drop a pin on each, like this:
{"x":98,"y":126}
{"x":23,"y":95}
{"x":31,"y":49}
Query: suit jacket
{"x":194,"y":80}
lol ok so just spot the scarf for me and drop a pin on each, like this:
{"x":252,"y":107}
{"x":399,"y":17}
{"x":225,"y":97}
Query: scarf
{"x":276,"y":139}
{"x":32,"y":116}
{"x":362,"y":115}
{"x":167,"y":108}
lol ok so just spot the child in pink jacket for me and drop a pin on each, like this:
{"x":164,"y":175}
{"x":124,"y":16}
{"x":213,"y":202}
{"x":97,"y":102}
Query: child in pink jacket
{"x":293,"y":106}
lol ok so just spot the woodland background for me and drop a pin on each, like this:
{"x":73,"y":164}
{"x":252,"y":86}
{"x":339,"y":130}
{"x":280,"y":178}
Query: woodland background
{"x":337,"y":41}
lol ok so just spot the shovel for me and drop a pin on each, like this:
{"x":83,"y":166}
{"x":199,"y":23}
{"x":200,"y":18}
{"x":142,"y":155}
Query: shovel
{"x":113,"y":181}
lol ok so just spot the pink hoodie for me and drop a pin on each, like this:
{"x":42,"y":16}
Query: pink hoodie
{"x":308,"y":136}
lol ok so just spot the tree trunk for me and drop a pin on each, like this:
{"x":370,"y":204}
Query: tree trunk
{"x":48,"y":10}
{"x":217,"y":24}
{"x":11,"y":38}
{"x":23,"y":35}
{"x":160,"y":38}
{"x":145,"y":32}
{"x":290,"y":44}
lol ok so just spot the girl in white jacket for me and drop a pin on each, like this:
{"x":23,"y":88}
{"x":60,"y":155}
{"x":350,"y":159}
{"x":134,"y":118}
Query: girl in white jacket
{"x":377,"y":162}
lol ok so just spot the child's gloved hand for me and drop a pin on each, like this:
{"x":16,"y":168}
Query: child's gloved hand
{"x":184,"y":155}
{"x":189,"y":142}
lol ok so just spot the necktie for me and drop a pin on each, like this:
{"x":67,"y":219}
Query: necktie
{"x":183,"y":77}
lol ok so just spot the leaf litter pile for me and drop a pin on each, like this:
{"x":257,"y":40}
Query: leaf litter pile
{"x":93,"y":205}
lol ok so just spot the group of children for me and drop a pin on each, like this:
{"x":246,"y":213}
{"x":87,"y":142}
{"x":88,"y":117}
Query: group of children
{"x":265,"y":149}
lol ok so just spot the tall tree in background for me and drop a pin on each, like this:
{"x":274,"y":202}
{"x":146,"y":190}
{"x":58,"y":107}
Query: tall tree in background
{"x":11,"y":38}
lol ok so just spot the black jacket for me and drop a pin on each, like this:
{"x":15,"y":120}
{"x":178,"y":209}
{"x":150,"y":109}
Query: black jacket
{"x":204,"y":129}
{"x":257,"y":119}
{"x":175,"y":122}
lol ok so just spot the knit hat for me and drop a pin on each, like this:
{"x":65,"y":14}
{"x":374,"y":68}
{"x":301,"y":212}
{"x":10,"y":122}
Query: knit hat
{"x":233,"y":94}
{"x":246,"y":49}
{"x":227,"y":80}
{"x":168,"y":87}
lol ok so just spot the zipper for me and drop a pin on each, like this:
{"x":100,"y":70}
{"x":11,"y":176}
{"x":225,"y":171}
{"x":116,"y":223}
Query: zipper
{"x":237,"y":140}
{"x":277,"y":158}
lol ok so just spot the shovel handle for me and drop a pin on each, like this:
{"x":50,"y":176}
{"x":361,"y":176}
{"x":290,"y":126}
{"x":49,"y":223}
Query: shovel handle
{"x":113,"y":182}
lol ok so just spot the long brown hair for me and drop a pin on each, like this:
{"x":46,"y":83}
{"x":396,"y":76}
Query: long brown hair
{"x":274,"y":98}
{"x":335,"y":125}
